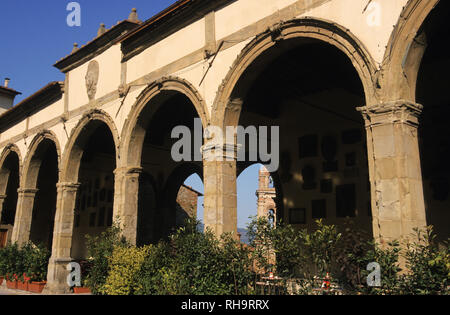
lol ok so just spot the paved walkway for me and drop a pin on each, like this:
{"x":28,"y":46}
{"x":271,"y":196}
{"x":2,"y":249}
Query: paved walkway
{"x":5,"y":291}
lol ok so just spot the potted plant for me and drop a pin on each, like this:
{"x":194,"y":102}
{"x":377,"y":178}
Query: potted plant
{"x":37,"y":268}
{"x":36,"y":286}
{"x":11,"y":281}
{"x":25,"y":268}
{"x":11,"y":264}
{"x":22,"y":282}
{"x":81,"y":290}
{"x":2,"y":265}
{"x":23,"y":261}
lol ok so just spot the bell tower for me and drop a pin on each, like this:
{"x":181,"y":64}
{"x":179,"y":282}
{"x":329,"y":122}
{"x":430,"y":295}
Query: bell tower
{"x":266,"y":196}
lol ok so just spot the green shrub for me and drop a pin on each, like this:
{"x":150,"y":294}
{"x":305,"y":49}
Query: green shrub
{"x":26,"y":263}
{"x":150,"y":277}
{"x":388,"y":259}
{"x":35,"y":258}
{"x":351,"y":257}
{"x":100,"y":248}
{"x":14,"y":265}
{"x":3,"y":262}
{"x":428,"y":266}
{"x":299,"y":254}
{"x":238,"y":266}
{"x":320,"y":248}
{"x":124,"y":265}
{"x":303,"y":257}
{"x":196,"y":263}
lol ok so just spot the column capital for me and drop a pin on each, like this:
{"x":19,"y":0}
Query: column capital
{"x":27,"y":191}
{"x":61,"y":260}
{"x":68,"y":186}
{"x":220,"y":151}
{"x":128,"y":170}
{"x":235,"y":104}
{"x":395,"y":112}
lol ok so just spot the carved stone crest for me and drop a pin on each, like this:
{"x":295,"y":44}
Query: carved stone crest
{"x":92,"y":79}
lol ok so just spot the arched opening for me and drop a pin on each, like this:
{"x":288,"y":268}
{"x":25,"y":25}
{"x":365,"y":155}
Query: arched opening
{"x":194,"y":183}
{"x":310,"y":90}
{"x":183,"y":197}
{"x":43,"y":175}
{"x":10,"y":178}
{"x":432,"y":93}
{"x":163,"y":175}
{"x":159,"y":213}
{"x":93,"y":161}
{"x":257,"y":196}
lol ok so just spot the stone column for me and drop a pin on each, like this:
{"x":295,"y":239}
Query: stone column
{"x":220,"y":201}
{"x":2,"y":200}
{"x":62,"y":239}
{"x":24,"y":215}
{"x":126,"y":197}
{"x":395,"y":171}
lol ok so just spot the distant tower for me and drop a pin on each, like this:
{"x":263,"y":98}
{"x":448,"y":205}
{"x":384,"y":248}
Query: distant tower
{"x":7,"y":96}
{"x":266,"y":196}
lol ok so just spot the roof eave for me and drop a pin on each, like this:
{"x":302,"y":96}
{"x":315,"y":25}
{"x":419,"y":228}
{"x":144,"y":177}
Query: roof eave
{"x":41,"y":98}
{"x":9,"y":91}
{"x":95,"y":47}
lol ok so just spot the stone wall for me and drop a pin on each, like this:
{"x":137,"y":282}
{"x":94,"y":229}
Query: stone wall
{"x":187,"y":201}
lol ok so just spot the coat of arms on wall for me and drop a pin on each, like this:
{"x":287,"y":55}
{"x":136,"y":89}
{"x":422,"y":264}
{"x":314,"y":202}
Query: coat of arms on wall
{"x":92,"y":79}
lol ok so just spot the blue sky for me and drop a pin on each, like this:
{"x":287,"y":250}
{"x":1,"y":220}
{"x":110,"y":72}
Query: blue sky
{"x":35,"y":35}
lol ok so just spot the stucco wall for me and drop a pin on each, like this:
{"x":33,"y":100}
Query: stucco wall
{"x":191,"y":40}
{"x":373,"y":31}
{"x":48,"y":113}
{"x":243,"y":13}
{"x":109,"y":77}
{"x":170,"y":49}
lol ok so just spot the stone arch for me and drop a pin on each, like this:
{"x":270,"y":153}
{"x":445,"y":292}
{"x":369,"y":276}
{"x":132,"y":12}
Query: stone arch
{"x":226,"y":113}
{"x":133,"y":136}
{"x":32,"y":163}
{"x":79,"y":136}
{"x":37,"y":194}
{"x":406,"y":48}
{"x":10,"y":148}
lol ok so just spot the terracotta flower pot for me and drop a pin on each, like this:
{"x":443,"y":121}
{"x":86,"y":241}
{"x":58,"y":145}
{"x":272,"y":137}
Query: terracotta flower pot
{"x":81,"y":290}
{"x":36,"y":287}
{"x":11,"y":284}
{"x":23,"y":286}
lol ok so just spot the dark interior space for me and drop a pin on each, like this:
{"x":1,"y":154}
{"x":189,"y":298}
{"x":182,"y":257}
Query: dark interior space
{"x":432,"y":92}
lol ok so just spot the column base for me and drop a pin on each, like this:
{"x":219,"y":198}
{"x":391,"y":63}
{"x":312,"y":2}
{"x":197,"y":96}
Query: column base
{"x":57,"y":277}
